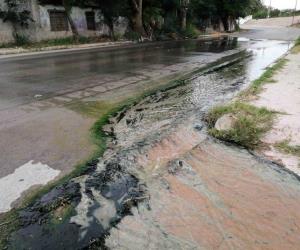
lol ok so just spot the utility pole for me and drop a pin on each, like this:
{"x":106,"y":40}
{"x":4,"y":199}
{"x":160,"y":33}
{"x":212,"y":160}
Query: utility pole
{"x":295,"y":12}
{"x":269,"y":9}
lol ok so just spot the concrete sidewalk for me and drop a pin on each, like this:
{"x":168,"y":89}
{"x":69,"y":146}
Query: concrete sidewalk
{"x":284,"y":96}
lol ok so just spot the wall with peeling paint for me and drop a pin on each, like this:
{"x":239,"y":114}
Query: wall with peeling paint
{"x":40,"y":29}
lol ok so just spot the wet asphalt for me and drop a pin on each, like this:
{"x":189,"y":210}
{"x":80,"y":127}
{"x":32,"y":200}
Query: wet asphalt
{"x":23,"y":79}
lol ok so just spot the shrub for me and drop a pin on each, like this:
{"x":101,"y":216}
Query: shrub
{"x":21,"y":40}
{"x":132,"y":35}
{"x":191,"y":31}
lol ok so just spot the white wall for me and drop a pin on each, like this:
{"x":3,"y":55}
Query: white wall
{"x":78,"y":15}
{"x":5,"y":32}
{"x":245,"y":20}
{"x":40,"y":29}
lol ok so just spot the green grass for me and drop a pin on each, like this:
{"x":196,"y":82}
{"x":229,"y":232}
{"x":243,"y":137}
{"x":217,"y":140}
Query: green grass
{"x":250,"y":123}
{"x":55,"y":42}
{"x":296,"y":48}
{"x":267,"y":77}
{"x":61,"y":42}
{"x":285,"y":147}
{"x":297,"y":42}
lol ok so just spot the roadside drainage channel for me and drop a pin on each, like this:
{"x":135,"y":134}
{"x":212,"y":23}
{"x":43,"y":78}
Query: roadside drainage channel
{"x":85,"y":209}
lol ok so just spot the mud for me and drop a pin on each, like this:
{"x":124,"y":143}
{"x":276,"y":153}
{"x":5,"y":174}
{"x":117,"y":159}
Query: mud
{"x":164,"y":184}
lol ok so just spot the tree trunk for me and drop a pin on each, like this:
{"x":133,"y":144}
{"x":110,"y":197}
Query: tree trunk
{"x":225,"y":23}
{"x":112,"y":31}
{"x":68,"y":10}
{"x":183,"y":18}
{"x":137,"y":17}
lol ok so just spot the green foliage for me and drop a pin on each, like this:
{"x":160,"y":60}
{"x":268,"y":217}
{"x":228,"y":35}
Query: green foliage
{"x":191,"y":32}
{"x":21,"y":40}
{"x":11,"y":13}
{"x":132,"y":35}
{"x":64,"y":41}
{"x":297,"y":42}
{"x":251,"y":123}
{"x":285,"y":147}
{"x":262,"y":13}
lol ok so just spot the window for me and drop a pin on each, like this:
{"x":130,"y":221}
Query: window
{"x":58,"y":20}
{"x":90,"y":20}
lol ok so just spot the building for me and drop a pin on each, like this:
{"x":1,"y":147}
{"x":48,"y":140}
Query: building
{"x":50,"y":22}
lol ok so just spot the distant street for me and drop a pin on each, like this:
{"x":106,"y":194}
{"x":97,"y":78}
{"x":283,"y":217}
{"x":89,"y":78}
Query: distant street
{"x":273,"y":29}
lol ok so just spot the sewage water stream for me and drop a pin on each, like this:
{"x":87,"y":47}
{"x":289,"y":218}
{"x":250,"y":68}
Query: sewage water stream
{"x":165,"y":184}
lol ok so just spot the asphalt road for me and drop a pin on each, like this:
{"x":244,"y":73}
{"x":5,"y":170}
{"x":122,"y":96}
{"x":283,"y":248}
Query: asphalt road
{"x":24,"y":78}
{"x":272,"y":29}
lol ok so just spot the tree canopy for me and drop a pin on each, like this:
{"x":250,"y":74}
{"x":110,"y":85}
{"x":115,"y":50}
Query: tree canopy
{"x":147,"y":17}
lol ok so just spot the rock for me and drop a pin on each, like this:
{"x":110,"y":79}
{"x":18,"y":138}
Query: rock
{"x":225,"y":122}
{"x":198,"y":127}
{"x":38,"y":96}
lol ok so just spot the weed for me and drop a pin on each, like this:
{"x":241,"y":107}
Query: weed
{"x":297,"y":42}
{"x":21,"y":40}
{"x":285,"y":147}
{"x":132,"y":35}
{"x":296,"y":48}
{"x":251,"y":123}
{"x":190,"y":32}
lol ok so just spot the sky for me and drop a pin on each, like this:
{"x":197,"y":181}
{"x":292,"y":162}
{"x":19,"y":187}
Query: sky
{"x":282,"y":4}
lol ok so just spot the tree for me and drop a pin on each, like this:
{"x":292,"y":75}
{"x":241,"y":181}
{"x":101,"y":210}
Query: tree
{"x":184,"y":6}
{"x":111,"y":11}
{"x":68,"y":5}
{"x":230,"y":11}
{"x":18,"y":18}
{"x":137,"y":16}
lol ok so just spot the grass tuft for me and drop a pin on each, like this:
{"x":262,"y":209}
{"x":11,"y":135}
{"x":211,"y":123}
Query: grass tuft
{"x":285,"y":147}
{"x":251,"y":123}
{"x":65,"y":41}
{"x":296,"y":48}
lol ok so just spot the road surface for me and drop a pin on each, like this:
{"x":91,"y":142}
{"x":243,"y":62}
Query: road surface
{"x":273,"y":29}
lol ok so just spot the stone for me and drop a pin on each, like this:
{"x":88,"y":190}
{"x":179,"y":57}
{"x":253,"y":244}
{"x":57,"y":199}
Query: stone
{"x":225,"y":122}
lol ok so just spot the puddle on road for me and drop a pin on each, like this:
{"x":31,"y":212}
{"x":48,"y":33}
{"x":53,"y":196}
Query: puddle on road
{"x":30,"y":174}
{"x":264,"y":52}
{"x":181,"y":189}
